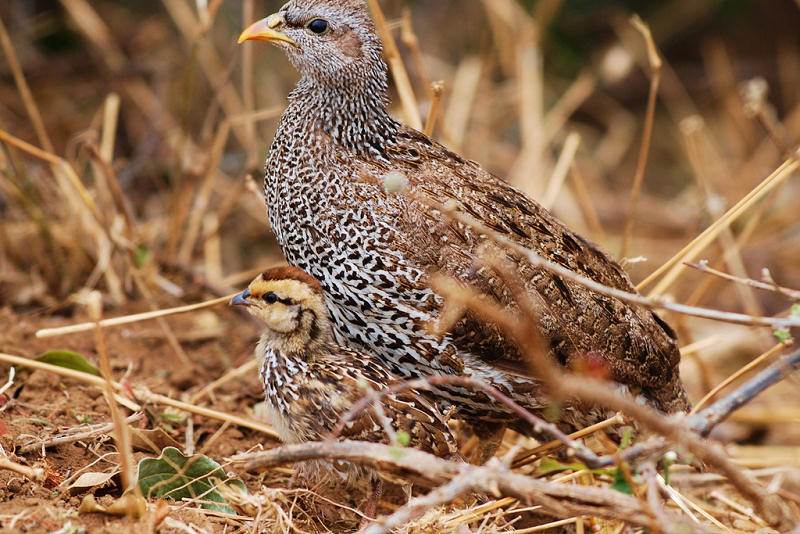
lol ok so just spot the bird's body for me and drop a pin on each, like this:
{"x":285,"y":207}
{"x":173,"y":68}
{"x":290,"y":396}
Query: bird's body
{"x":373,"y":251}
{"x":311,"y":383}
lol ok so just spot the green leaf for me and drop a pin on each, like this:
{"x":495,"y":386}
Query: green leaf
{"x":621,"y":484}
{"x":795,"y":310}
{"x":782,"y":334}
{"x":550,"y":465}
{"x":140,"y":255}
{"x":403,"y":439}
{"x":69,"y":360}
{"x":175,"y":476}
{"x":627,"y":437}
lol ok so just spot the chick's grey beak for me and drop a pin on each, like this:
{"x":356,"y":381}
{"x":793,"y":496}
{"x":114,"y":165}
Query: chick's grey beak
{"x":241,"y":299}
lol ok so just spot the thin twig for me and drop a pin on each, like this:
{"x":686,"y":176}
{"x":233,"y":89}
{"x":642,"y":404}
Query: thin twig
{"x":76,"y":434}
{"x":561,"y":500}
{"x":122,"y":437}
{"x":735,"y":376}
{"x":644,"y":151}
{"x":706,"y":420}
{"x":793,"y":294}
{"x":128,"y":319}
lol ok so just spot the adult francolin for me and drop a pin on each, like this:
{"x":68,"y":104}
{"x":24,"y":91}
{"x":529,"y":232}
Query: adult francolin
{"x":373,"y":251}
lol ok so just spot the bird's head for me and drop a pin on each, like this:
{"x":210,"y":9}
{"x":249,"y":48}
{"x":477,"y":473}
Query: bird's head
{"x":291,"y":304}
{"x":332,"y":42}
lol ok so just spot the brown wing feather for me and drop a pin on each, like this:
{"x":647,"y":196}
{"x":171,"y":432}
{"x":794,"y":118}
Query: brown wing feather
{"x":637,"y":347}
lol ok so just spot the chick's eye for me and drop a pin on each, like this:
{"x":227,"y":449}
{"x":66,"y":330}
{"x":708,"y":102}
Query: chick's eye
{"x":271,"y":298}
{"x":318,"y":26}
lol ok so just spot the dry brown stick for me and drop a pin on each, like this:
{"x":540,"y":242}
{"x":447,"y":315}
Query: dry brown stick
{"x":644,"y":151}
{"x":743,"y":370}
{"x":71,"y":437}
{"x":24,"y":89}
{"x":537,"y":260}
{"x":33,"y":473}
{"x":561,"y":500}
{"x":707,"y":419}
{"x":416,"y":507}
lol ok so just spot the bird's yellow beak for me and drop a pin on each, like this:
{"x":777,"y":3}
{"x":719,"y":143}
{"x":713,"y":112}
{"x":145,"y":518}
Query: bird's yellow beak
{"x":267,"y":29}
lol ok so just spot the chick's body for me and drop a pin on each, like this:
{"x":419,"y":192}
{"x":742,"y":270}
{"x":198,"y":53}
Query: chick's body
{"x":311,"y":383}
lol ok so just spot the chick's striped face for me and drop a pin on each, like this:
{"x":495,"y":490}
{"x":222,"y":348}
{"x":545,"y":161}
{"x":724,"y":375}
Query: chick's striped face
{"x":280,"y":303}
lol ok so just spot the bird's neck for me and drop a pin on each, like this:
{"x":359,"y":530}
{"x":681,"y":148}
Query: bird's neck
{"x":353,"y":113}
{"x":301,"y":344}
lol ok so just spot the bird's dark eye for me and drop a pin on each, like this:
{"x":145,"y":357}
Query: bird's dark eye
{"x":318,"y":26}
{"x":270,"y":298}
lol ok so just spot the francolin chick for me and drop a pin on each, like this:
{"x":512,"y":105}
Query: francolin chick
{"x":311,"y":382}
{"x":331,"y":175}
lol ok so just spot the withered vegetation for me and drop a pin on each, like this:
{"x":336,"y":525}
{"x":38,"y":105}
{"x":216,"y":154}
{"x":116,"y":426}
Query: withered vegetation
{"x":132,"y":136}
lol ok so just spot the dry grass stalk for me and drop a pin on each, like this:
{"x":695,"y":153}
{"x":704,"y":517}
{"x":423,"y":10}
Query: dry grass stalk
{"x":395,"y":60}
{"x":122,"y":436}
{"x":672,"y":268}
{"x":24,"y":90}
{"x":793,"y":294}
{"x":563,"y":165}
{"x":437,"y":89}
{"x":766,"y":356}
{"x":129,"y":319}
{"x":656,"y":64}
{"x":707,"y":165}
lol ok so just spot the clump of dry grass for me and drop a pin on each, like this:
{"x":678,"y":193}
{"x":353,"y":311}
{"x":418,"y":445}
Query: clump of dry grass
{"x":128,"y":167}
